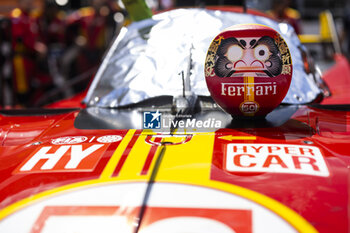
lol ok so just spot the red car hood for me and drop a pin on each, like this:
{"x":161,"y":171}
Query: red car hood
{"x":279,"y":178}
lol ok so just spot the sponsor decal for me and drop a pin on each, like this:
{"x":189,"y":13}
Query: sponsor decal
{"x":278,"y":158}
{"x":257,"y":89}
{"x":69,"y":140}
{"x":70,"y":153}
{"x":109,"y":138}
{"x":60,"y":158}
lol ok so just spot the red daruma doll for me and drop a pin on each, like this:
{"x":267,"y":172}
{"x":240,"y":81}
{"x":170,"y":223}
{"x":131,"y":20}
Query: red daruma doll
{"x":248,"y":70}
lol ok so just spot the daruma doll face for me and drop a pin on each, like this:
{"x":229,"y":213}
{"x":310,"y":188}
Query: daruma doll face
{"x":248,"y":70}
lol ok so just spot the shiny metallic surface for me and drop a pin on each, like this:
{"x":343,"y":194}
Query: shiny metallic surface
{"x":149,"y":58}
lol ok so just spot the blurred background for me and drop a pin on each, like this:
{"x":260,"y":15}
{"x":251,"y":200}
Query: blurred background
{"x":50,"y":49}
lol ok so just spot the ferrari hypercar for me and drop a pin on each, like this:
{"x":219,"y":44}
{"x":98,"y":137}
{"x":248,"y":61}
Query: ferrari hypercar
{"x":155,"y":146}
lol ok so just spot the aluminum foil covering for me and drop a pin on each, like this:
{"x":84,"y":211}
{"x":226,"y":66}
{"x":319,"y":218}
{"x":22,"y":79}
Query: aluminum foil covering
{"x":150,"y":58}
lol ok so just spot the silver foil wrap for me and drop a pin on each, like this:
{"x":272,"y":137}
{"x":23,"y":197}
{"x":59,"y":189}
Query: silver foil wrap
{"x":149,"y":57}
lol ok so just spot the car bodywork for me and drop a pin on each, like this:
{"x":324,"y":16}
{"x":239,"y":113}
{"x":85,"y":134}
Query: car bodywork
{"x":106,"y":168}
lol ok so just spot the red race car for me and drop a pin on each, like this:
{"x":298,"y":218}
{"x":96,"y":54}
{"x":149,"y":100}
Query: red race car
{"x":152,"y":150}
